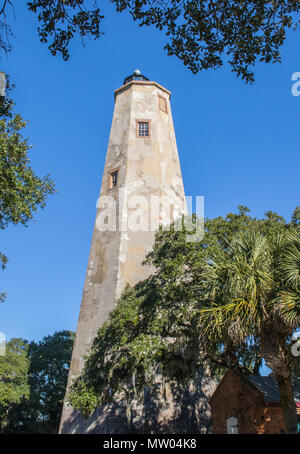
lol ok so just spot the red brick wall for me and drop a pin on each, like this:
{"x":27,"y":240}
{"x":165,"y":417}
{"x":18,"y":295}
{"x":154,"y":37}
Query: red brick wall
{"x":234,"y":397}
{"x":272,"y":422}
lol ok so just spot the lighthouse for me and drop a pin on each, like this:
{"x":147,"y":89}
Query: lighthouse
{"x":142,"y":188}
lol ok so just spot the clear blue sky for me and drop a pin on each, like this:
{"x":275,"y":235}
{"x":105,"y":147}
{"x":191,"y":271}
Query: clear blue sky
{"x":238,"y":144}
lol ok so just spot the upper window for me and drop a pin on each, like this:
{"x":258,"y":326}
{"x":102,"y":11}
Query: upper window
{"x":162,"y":103}
{"x":143,"y":128}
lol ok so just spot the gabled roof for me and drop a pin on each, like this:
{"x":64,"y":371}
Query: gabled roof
{"x":269,"y":388}
{"x":265,"y":386}
{"x":241,"y":377}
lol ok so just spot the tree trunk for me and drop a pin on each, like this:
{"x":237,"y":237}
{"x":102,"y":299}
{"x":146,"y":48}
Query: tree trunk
{"x":288,"y":404}
{"x":274,"y":351}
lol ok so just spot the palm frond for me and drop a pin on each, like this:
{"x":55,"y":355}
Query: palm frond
{"x":236,"y":321}
{"x":287,"y":305}
{"x":290,"y":266}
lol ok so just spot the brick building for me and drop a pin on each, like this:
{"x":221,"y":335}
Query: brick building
{"x":249,"y":405}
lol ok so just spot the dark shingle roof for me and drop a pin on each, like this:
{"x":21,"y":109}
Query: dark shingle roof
{"x":269,"y":388}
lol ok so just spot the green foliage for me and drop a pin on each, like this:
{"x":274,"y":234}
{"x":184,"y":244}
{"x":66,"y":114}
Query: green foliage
{"x":85,"y":398}
{"x":155,"y":327}
{"x":22,"y":192}
{"x":202,"y":34}
{"x":5,"y":29}
{"x":40,"y":409}
{"x":147,"y":332}
{"x":249,"y":284}
{"x":205,"y":34}
{"x":61,"y":20}
{"x":254,"y":292}
{"x":14,"y":385}
{"x":6,"y":106}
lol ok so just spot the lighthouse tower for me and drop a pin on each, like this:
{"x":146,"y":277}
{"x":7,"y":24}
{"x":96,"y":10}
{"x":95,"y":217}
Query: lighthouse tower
{"x":141,"y":188}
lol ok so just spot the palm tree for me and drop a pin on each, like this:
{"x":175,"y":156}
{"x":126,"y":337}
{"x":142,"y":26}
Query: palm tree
{"x":253,"y":292}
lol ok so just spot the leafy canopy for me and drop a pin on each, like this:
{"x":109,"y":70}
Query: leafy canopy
{"x":39,"y":410}
{"x":254,"y":290}
{"x":205,"y":34}
{"x":61,"y":20}
{"x":22,"y":192}
{"x":156,"y":328}
{"x":202,"y":34}
{"x":14,"y":385}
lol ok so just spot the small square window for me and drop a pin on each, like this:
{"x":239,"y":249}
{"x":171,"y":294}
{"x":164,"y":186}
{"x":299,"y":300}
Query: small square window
{"x":162,"y":103}
{"x":113,"y":179}
{"x":143,"y":129}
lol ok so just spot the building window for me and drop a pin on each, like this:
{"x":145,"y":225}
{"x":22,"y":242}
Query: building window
{"x":232,"y":425}
{"x":162,"y":103}
{"x":143,"y":128}
{"x":113,"y":179}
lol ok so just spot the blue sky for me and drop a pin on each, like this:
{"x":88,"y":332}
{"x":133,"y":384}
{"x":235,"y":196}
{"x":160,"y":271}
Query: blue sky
{"x":238,"y":144}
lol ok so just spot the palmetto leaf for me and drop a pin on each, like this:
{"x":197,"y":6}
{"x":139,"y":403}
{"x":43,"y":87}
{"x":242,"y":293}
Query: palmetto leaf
{"x":239,"y":283}
{"x":290,"y":265}
{"x":287,"y":305}
{"x":235,"y":321}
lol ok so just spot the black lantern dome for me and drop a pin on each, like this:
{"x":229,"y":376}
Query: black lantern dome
{"x":137,"y":75}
